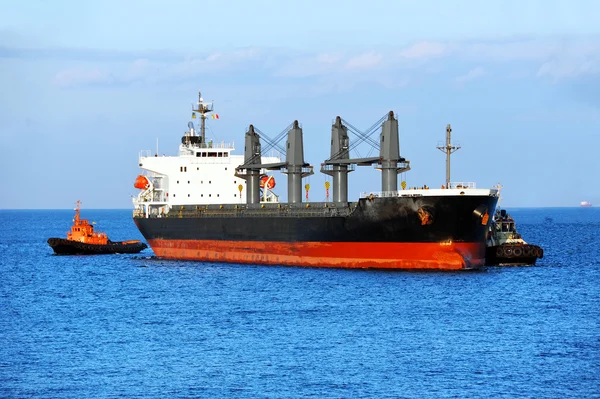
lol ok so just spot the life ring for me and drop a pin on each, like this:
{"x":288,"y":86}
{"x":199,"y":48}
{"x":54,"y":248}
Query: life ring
{"x":508,"y":251}
{"x":499,"y":251}
{"x":518,"y":252}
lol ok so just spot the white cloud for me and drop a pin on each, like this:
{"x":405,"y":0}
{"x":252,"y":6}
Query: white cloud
{"x":567,"y":68}
{"x":552,"y":59}
{"x":426,"y":50}
{"x":214,"y":57}
{"x":528,"y":50}
{"x":306,"y":66}
{"x":215,"y":61}
{"x":473,"y":74}
{"x":232,"y":57}
{"x":80,"y":76}
{"x":329,"y":58}
{"x":364,"y":61}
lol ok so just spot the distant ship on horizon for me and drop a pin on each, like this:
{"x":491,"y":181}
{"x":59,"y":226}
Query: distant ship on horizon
{"x":585,"y":204}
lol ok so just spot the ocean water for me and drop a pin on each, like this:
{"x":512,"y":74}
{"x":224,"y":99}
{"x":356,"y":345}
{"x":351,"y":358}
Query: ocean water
{"x":132,"y":326}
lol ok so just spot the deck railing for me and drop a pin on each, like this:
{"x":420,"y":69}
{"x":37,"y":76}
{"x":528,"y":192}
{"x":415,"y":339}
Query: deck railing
{"x":458,"y":185}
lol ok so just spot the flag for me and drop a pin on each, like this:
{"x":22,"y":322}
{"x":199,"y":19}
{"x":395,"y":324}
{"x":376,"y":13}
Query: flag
{"x":215,"y":116}
{"x":193,"y":115}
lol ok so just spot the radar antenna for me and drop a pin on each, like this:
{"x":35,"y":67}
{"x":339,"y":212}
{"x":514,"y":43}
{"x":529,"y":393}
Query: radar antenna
{"x":203,"y":108}
{"x":448,"y":149}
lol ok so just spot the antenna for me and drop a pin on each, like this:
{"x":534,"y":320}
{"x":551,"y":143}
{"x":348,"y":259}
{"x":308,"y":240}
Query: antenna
{"x":157,"y":146}
{"x":448,"y":149}
{"x":203,"y":108}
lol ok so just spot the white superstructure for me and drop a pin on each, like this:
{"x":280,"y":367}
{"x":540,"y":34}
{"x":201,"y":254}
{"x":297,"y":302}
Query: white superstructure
{"x":202,"y":173}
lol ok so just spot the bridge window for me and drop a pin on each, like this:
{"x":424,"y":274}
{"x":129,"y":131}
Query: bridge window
{"x":220,"y":154}
{"x":225,"y":154}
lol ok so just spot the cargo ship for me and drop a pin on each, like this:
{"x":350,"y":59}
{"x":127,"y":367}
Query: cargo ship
{"x":209,"y":204}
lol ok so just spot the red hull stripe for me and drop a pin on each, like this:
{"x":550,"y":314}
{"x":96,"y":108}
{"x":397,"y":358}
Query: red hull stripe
{"x":454,"y":256}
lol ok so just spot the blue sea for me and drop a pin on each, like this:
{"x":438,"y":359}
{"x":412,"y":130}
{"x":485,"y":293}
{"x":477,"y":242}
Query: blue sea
{"x":133,"y":326}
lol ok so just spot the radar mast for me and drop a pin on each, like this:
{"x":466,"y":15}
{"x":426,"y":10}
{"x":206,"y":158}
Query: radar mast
{"x":448,"y":149}
{"x":203,"y":108}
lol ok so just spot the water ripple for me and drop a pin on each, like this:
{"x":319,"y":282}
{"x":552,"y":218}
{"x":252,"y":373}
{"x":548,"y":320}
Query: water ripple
{"x":133,"y":326}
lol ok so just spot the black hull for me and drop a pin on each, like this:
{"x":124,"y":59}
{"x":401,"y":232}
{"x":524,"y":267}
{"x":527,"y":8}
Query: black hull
{"x":417,"y":232}
{"x":390,"y":219}
{"x":67,"y":247}
{"x":513,"y":254}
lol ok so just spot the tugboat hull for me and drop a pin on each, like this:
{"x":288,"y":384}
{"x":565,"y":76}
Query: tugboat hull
{"x":69,"y":247}
{"x":513,"y":254}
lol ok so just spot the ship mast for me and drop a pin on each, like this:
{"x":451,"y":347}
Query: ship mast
{"x":203,"y":108}
{"x":77,"y":217}
{"x":448,"y":149}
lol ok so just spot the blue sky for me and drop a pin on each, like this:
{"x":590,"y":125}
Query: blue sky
{"x":86,"y":86}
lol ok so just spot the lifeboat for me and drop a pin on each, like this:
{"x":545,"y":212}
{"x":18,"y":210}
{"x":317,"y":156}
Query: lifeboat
{"x":141,"y":182}
{"x":268,"y":181}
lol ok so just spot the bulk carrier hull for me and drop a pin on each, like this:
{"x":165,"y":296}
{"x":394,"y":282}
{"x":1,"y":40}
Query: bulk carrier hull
{"x":192,"y":206}
{"x":445,"y":232}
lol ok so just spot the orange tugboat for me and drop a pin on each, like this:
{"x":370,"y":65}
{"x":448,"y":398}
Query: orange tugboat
{"x":82,"y":240}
